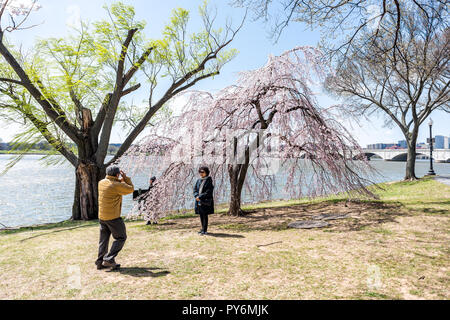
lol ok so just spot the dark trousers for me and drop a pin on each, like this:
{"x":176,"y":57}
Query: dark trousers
{"x":117,"y":229}
{"x":204,"y":221}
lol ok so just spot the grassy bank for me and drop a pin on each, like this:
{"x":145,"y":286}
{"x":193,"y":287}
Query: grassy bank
{"x":30,"y":152}
{"x":33,"y":152}
{"x":393,"y":248}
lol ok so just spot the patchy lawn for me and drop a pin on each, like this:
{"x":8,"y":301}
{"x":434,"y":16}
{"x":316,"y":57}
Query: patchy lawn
{"x":393,"y":248}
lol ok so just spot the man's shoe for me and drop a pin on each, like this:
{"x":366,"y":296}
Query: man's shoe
{"x":100,"y":267}
{"x":111,"y":264}
{"x":200,"y":232}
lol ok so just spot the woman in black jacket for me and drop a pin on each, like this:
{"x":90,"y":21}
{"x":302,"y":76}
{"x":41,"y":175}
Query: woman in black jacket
{"x":204,"y":199}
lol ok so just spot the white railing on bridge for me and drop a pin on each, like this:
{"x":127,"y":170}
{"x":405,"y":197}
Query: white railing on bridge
{"x":441,"y":155}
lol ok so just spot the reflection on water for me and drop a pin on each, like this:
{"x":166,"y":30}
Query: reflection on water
{"x":34,"y":194}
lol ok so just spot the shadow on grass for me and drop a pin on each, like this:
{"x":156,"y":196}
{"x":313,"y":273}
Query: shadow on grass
{"x":367,"y":214}
{"x":224,"y":235}
{"x":431,"y":211}
{"x":361,"y":214}
{"x":142,"y":272}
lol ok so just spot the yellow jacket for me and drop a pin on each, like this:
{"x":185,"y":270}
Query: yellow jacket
{"x":110,"y":192}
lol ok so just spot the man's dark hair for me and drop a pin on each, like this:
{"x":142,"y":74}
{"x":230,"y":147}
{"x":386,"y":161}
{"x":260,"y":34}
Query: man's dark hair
{"x":206,"y":169}
{"x":113,"y":171}
{"x":153,"y":179}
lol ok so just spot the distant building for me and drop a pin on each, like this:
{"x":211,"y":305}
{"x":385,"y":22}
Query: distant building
{"x":441,"y":142}
{"x":422,"y":145}
{"x":381,"y":146}
{"x":375,"y":146}
{"x":402,"y":144}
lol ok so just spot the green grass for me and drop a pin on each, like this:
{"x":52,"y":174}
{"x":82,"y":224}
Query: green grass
{"x":67,"y":225}
{"x":395,"y":247}
{"x":423,"y":196}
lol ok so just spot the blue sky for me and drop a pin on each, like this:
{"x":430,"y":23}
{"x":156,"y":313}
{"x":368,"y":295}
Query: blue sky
{"x":253,"y":43}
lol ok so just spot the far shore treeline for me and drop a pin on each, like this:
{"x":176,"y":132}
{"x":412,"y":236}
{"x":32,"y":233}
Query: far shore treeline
{"x":44,"y":147}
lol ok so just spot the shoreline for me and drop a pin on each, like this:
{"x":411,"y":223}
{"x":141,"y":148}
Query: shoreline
{"x":15,"y":153}
{"x":38,"y":153}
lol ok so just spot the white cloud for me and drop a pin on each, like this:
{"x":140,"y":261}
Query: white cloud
{"x":373,"y":16}
{"x":74,"y":19}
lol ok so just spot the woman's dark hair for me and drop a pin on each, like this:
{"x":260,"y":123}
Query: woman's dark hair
{"x":206,"y":169}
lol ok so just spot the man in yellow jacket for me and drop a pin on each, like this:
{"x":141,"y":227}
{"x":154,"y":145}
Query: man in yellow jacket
{"x":110,"y":192}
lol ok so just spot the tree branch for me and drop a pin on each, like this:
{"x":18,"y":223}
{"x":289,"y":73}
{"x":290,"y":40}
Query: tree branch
{"x":60,"y":119}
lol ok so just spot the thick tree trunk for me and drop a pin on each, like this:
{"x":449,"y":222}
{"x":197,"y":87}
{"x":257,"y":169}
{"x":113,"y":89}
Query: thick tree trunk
{"x":88,"y":173}
{"x":85,"y":206}
{"x":411,"y":159}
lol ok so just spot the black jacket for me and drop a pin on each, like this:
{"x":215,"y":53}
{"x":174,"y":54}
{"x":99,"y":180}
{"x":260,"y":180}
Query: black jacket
{"x":206,"y":203}
{"x":140,"y":192}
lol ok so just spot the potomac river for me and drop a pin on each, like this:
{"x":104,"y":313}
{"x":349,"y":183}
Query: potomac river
{"x":32,"y":193}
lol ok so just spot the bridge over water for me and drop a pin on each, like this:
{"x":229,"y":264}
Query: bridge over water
{"x":439,"y":155}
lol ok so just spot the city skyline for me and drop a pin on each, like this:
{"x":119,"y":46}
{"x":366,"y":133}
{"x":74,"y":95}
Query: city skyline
{"x":445,"y":141}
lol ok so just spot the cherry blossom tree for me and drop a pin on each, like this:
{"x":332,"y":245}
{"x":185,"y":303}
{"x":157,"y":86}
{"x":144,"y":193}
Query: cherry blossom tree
{"x":18,"y":8}
{"x":18,"y":12}
{"x":268,"y":123}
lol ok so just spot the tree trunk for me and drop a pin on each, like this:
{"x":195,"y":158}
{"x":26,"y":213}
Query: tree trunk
{"x":76,"y":208}
{"x":411,"y":159}
{"x":237,"y":175}
{"x":235,"y":199}
{"x":88,"y":173}
{"x":85,"y":206}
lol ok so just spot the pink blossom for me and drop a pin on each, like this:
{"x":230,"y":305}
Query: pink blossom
{"x":19,"y":7}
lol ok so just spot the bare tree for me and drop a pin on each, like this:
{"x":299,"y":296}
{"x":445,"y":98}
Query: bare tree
{"x":406,"y":84}
{"x":343,"y":21}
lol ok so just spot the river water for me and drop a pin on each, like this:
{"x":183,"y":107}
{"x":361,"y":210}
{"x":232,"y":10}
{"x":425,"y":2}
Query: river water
{"x":31,"y":193}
